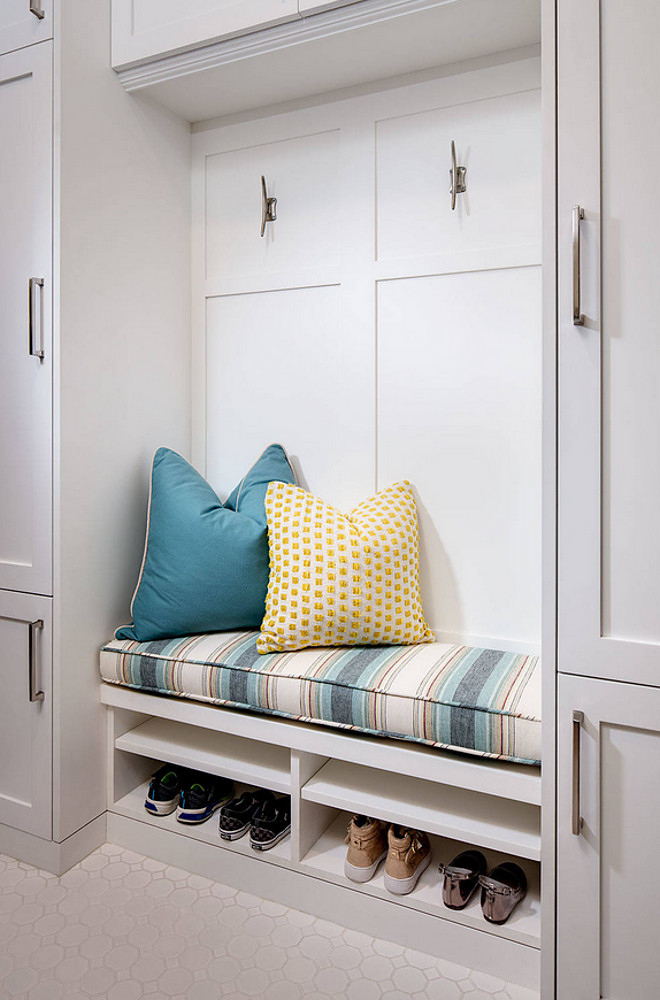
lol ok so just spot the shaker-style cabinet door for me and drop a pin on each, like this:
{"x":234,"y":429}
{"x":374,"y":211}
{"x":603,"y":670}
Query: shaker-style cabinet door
{"x":23,"y":22}
{"x":26,"y":713}
{"x":26,"y":362}
{"x":608,"y":816}
{"x":609,"y":348}
{"x":148,"y":29}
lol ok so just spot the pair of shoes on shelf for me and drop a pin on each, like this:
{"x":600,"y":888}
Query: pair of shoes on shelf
{"x":501,"y":889}
{"x":267,"y":818}
{"x":194,"y":795}
{"x":407,"y":854}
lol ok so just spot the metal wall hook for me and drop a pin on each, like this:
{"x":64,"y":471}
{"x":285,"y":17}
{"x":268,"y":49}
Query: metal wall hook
{"x":457,"y":176}
{"x":268,"y":206}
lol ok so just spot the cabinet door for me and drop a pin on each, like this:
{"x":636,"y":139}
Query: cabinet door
{"x":25,"y":713}
{"x":23,"y":22}
{"x":25,"y":319}
{"x":146,"y":29}
{"x":608,"y":879}
{"x":609,"y":364}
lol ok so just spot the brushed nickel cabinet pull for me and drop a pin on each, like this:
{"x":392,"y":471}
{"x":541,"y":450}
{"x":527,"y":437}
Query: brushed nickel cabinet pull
{"x":457,"y":177}
{"x":37,"y":10}
{"x":36,"y":352}
{"x":578,"y":315}
{"x":35,"y":629}
{"x":576,"y":819}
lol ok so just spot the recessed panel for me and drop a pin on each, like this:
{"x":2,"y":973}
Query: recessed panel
{"x":631,"y":345}
{"x":630,"y":882}
{"x":148,"y":15}
{"x":283,"y":367}
{"x":302,"y":174}
{"x":459,"y":415}
{"x":498,"y":141}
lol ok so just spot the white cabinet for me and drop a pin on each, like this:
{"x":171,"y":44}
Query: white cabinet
{"x":609,"y":431}
{"x":25,"y":320}
{"x":25,"y":713}
{"x":609,"y":884}
{"x":23,"y":22}
{"x":144,"y":29}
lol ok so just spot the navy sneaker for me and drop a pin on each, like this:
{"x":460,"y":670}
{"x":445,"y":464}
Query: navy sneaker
{"x":201,"y":796}
{"x":164,"y":790}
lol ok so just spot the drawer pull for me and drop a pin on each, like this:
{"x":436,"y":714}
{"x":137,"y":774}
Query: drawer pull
{"x":576,"y":819}
{"x":35,"y":629}
{"x":268,"y":207}
{"x":37,"y":10}
{"x":578,"y":315}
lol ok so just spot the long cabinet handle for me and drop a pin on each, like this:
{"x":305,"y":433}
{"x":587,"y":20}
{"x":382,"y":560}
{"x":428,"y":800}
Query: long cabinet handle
{"x":576,"y":819}
{"x":37,"y":351}
{"x":578,"y":315}
{"x":35,"y":629}
{"x":36,"y":9}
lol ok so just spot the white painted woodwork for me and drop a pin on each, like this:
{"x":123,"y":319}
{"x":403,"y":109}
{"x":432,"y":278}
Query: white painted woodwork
{"x":121,"y":388}
{"x":518,"y":782}
{"x":214,"y":753}
{"x":302,"y":173}
{"x":607,"y":891}
{"x":459,"y":415}
{"x":20,"y":27}
{"x":394,"y":920}
{"x":277,"y":367}
{"x":25,"y":726}
{"x":148,"y":29}
{"x":25,"y":381}
{"x":498,"y":140}
{"x":315,"y":851}
{"x":398,"y":798}
{"x":355,"y":44}
{"x":328,"y":854}
{"x":425,"y":364}
{"x":609,"y":541}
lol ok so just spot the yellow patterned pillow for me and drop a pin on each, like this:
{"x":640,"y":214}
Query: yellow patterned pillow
{"x":342,"y":580}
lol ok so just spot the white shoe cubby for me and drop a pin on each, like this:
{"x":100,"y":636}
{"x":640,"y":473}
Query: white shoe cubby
{"x":459,"y":800}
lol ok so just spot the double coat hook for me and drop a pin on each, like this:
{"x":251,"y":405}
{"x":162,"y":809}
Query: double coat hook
{"x":268,"y":206}
{"x":457,"y":176}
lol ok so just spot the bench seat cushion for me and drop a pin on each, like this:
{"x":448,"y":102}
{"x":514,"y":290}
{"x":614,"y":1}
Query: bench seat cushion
{"x":482,"y":701}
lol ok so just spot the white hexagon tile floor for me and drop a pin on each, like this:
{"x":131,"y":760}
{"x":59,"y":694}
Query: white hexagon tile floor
{"x":123,"y":927}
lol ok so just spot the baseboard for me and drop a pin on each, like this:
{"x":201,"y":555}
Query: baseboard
{"x":445,"y":939}
{"x":49,"y":855}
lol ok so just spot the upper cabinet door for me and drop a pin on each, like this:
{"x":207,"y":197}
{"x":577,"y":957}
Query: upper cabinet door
{"x":609,"y":339}
{"x":25,"y":320}
{"x":146,"y":29}
{"x":23,"y":22}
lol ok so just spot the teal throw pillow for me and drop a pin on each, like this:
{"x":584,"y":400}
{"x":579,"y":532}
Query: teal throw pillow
{"x":205,"y":564}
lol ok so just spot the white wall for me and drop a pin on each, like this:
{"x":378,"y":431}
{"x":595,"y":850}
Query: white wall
{"x":122,"y":321}
{"x":377,"y":334}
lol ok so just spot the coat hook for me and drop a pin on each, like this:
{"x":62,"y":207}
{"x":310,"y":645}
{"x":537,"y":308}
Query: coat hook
{"x":457,"y":176}
{"x":268,"y":206}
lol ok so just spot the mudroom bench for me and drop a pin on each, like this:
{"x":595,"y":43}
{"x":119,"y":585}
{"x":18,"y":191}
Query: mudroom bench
{"x":169,"y":702}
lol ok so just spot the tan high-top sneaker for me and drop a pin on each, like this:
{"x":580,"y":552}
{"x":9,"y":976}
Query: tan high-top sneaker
{"x":408,"y":856}
{"x":367,"y":846}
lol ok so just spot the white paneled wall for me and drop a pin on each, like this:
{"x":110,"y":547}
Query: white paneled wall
{"x":377,"y":334}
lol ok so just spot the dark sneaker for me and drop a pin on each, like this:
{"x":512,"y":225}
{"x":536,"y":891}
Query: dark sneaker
{"x":201,"y":796}
{"x":164,"y":790}
{"x":271,"y":824}
{"x":236,"y":817}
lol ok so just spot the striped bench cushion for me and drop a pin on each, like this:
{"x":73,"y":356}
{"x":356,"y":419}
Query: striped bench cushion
{"x":483,"y":701}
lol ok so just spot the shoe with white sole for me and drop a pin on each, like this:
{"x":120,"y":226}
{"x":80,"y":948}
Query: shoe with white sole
{"x":367,"y":846}
{"x":408,"y":855}
{"x":164,"y":790}
{"x":202,"y":795}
